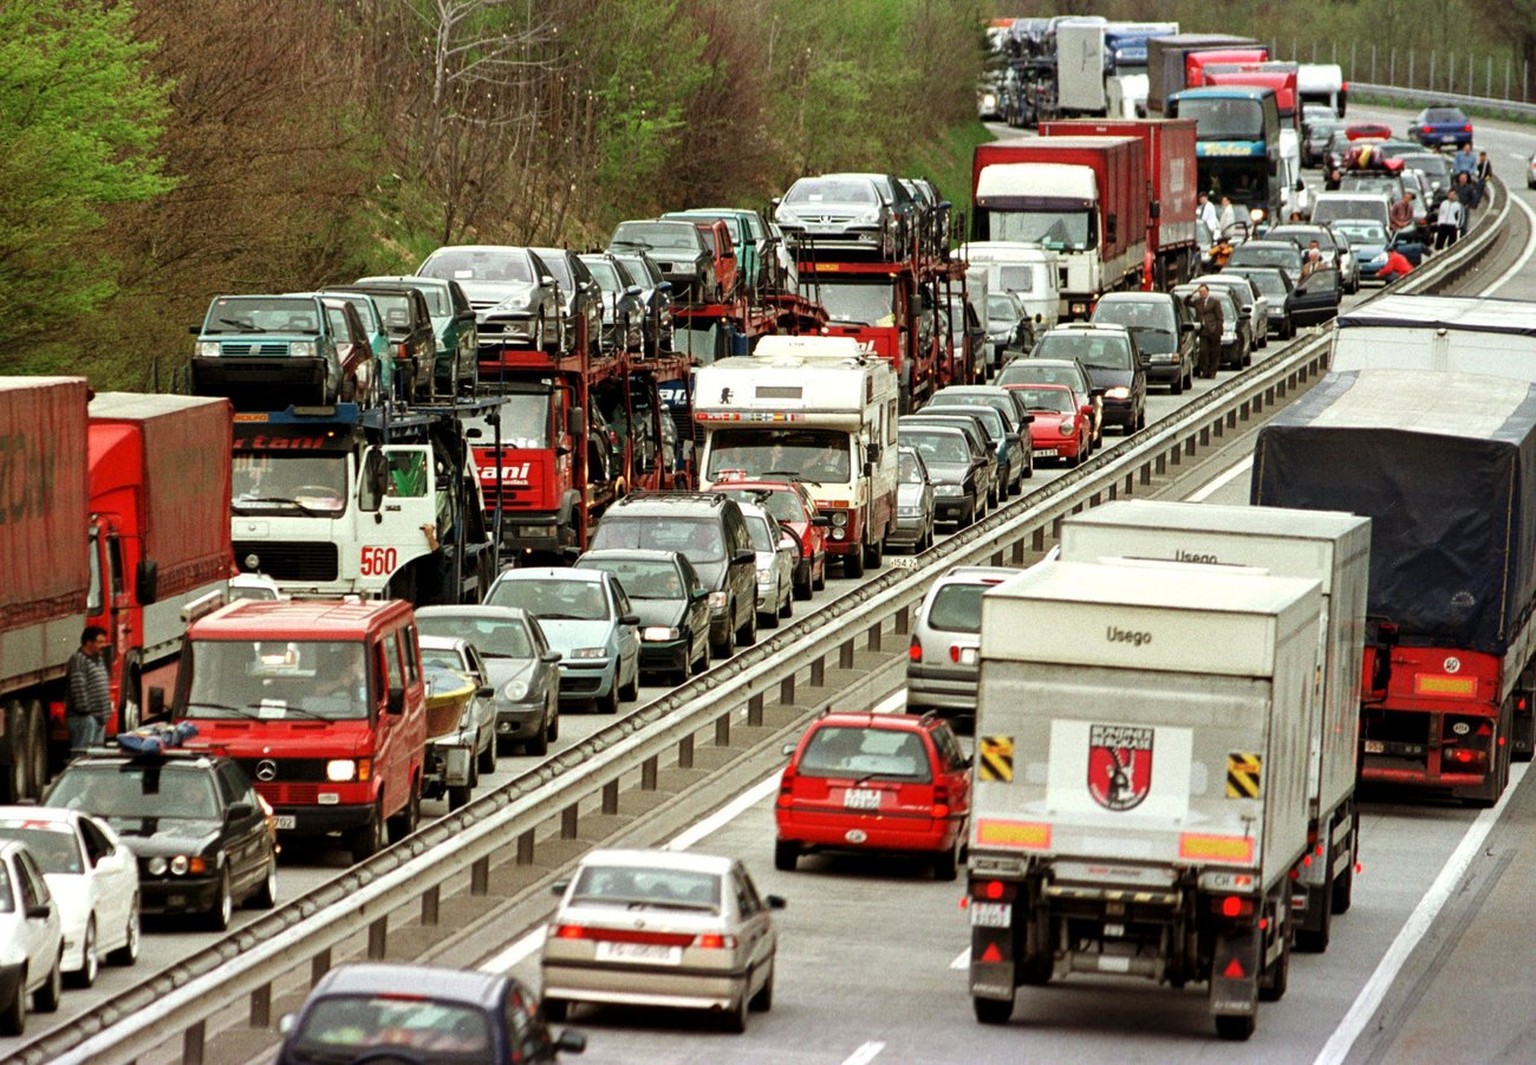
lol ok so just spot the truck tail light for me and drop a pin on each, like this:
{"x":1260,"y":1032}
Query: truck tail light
{"x":915,"y":652}
{"x":1233,"y":906}
{"x":994,"y":890}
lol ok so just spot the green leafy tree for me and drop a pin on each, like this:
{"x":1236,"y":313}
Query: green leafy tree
{"x":79,"y":121}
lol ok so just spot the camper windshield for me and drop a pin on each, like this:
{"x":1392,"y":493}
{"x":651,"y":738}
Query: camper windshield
{"x":819,"y":455}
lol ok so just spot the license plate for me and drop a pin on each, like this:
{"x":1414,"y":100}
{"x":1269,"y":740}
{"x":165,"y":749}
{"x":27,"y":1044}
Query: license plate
{"x":287,"y":820}
{"x":991,"y":914}
{"x":1045,"y":452}
{"x":1375,"y":747}
{"x":967,"y":656}
{"x":654,"y":953}
{"x":862,"y":798}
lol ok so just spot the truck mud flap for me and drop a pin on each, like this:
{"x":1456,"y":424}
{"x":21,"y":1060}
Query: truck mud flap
{"x":1235,"y":967}
{"x":992,"y":964}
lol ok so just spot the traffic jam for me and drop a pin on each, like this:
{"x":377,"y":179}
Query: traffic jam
{"x":399,"y":529}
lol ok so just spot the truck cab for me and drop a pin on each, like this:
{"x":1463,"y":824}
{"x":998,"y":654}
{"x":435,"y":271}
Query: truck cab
{"x":322,"y":703}
{"x":1237,"y":145}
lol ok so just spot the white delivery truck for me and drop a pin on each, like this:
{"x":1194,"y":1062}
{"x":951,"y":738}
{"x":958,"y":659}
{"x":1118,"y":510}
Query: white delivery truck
{"x":1461,"y":334}
{"x":1141,"y":779}
{"x":1322,"y":83}
{"x":811,"y":409}
{"x":1080,"y":66}
{"x":1324,"y":546}
{"x":1030,"y":271}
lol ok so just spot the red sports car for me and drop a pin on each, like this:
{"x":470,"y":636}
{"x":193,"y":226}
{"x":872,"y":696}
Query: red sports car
{"x":1062,"y":422}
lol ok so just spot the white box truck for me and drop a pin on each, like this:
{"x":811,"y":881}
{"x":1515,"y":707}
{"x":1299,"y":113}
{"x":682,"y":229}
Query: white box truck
{"x":1460,"y":334}
{"x":1141,"y":780}
{"x":1325,"y":546}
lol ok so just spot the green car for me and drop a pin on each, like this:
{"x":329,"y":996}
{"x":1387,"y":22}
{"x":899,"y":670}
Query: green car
{"x":453,"y":325}
{"x":268,"y":352}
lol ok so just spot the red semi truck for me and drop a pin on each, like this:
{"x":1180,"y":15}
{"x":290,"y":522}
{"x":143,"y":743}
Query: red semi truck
{"x":114,"y":514}
{"x":1173,"y":250}
{"x":1170,"y":65}
{"x":1083,"y":197}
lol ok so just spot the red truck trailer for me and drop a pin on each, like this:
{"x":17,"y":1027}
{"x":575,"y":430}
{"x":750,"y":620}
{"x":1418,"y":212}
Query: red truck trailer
{"x":1450,"y":633}
{"x":1168,"y":61}
{"x":1173,"y":249}
{"x":1083,"y":197}
{"x":44,"y":574}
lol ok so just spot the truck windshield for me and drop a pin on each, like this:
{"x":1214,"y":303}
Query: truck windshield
{"x":859,"y":302}
{"x":819,"y":455}
{"x":1057,"y":230}
{"x":277,"y":679}
{"x":1224,"y":119}
{"x":315,"y":485}
{"x":524,"y":423}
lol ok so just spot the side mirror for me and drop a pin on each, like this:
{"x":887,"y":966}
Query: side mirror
{"x":559,"y":887}
{"x":787,"y":750}
{"x":1029,"y":419}
{"x":396,"y":703}
{"x":746,"y":555}
{"x":146,"y":583}
{"x":1187,"y":327}
{"x":633,"y":290}
{"x":486,"y":692}
{"x":195,"y":330}
{"x":775,"y":902}
{"x":822,"y":521}
{"x":576,"y":422}
{"x":629,"y":619}
{"x":39,"y":912}
{"x":872,"y":452}
{"x":550,"y":657}
{"x":665,"y":286}
{"x":287,"y":1023}
{"x":239,"y":811}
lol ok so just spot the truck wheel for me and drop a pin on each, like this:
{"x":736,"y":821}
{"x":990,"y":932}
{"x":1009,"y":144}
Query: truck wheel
{"x":458,"y":797}
{"x":18,"y":774}
{"x":874,"y":554}
{"x":1342,"y":895}
{"x":853,"y":564}
{"x":406,"y":821}
{"x":367,"y":840}
{"x":993,"y":1010}
{"x":786,"y":855}
{"x":1315,"y":940}
{"x":37,"y":749}
{"x":1280,"y":978}
{"x":1237,"y":1029}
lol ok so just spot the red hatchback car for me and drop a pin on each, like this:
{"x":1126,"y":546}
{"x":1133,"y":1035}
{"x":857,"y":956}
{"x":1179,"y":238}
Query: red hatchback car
{"x":1062,"y":422}
{"x":790,"y":502}
{"x":875,"y":782}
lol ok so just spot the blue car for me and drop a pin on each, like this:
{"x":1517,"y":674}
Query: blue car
{"x":1436,"y":126}
{"x":1371,"y":242}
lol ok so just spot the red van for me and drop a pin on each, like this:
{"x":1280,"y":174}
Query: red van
{"x":322,"y":703}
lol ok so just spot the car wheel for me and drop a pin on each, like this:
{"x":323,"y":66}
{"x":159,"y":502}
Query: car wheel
{"x":967,"y":516}
{"x":13,"y":1015}
{"x":787,"y":610}
{"x":487,"y":756}
{"x":819,"y":584}
{"x":367,"y":840}
{"x":1029,"y":468}
{"x":701,"y":663}
{"x":631,"y":691}
{"x":46,"y":998}
{"x":746,"y":636}
{"x":408,"y":819}
{"x":803,"y":589}
{"x":266,"y":895}
{"x":762,"y":1002}
{"x":786,"y":855}
{"x":608,"y":704}
{"x":128,"y":953}
{"x":769,"y":619}
{"x":735,"y":1020}
{"x":556,"y":1010}
{"x":90,"y":961}
{"x":538,"y":746}
{"x":946,"y":866}
{"x":223,"y":908}
{"x":1177,"y":387}
{"x":1141,"y":418}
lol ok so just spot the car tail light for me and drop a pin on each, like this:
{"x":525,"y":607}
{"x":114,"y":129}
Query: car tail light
{"x":915,"y":652}
{"x":786,"y":787}
{"x":1467,"y":128}
{"x":941,"y":801}
{"x":1429,"y":129}
{"x":714,"y":941}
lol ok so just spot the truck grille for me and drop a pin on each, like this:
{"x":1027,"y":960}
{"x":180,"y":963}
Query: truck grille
{"x":290,"y":561}
{"x":287,"y":770}
{"x":289,"y":794}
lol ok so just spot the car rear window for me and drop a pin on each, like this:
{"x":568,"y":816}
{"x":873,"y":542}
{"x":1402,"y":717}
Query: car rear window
{"x":627,"y":885}
{"x":339,"y":1027}
{"x":957,"y":608}
{"x":838,"y":751}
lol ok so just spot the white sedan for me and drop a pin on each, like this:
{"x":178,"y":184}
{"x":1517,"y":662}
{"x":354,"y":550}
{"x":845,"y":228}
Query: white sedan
{"x":93,"y":878}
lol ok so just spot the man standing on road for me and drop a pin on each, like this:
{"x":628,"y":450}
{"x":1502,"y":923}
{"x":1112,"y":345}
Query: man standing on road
{"x":1482,"y":175}
{"x":1463,"y":162}
{"x":88,"y":691}
{"x":1448,"y":221}
{"x":1401,"y":212}
{"x":1206,"y":212}
{"x":1208,"y":314}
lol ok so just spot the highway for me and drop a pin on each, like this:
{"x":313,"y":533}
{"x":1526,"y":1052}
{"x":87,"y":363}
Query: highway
{"x":872,"y":954}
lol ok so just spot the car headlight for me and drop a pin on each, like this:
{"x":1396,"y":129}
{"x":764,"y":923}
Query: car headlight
{"x":870,"y":216}
{"x":516,"y":303}
{"x":301,"y":349}
{"x":1067,"y":427}
{"x":840,"y":533}
{"x":1256,"y":213}
{"x":590,"y":652}
{"x":156,"y":866}
{"x":718,"y":600}
{"x":1118,"y":392}
{"x":906,"y":512}
{"x":516,"y":690}
{"x":209,"y":349}
{"x":659,"y":634}
{"x":765,"y":576}
{"x":338,"y":770}
{"x":948,"y":490}
{"x":182,"y":864}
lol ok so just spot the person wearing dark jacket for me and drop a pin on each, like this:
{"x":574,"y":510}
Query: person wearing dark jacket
{"x":88,"y":691}
{"x":1208,"y":314}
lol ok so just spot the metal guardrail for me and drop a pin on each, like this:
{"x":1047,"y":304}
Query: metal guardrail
{"x":180,"y":1001}
{"x":1429,"y":97}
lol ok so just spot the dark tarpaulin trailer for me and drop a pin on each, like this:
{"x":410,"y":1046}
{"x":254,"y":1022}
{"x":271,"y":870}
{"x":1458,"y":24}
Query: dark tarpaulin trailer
{"x":1444,"y":465}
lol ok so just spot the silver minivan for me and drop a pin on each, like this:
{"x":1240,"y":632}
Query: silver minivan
{"x":942,"y":661}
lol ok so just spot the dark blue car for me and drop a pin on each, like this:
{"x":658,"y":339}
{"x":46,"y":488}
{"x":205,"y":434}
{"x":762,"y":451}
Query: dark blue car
{"x":1436,"y":126}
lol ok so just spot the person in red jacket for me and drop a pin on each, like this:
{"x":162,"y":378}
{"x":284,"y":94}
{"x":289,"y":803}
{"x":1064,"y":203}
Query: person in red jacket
{"x":1397,"y":266}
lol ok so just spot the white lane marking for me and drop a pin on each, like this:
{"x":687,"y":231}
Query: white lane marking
{"x":865,"y":1054}
{"x":1530,"y":249}
{"x":520,"y":950}
{"x":962,"y":960}
{"x":1519,"y":155}
{"x":1419,"y":922}
{"x":1206,"y":491}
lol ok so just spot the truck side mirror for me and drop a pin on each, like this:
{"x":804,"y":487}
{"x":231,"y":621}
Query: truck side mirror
{"x":146,"y":582}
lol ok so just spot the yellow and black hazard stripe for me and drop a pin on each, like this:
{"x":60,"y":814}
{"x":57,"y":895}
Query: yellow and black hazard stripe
{"x":1245,"y":771}
{"x":994,"y":761}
